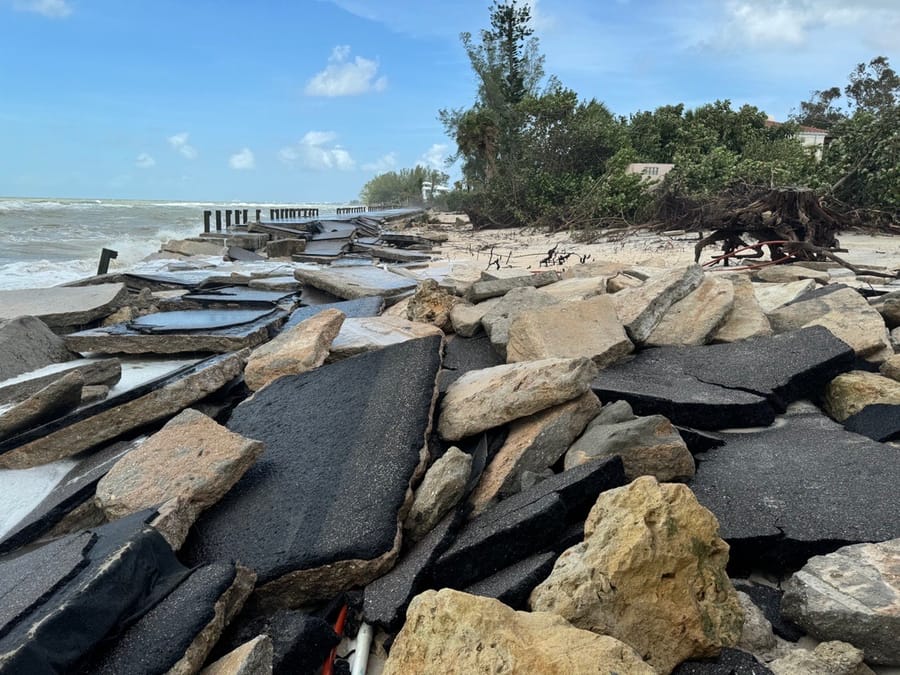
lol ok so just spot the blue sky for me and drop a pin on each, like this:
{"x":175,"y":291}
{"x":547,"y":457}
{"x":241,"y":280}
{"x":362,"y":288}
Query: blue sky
{"x":305,"y":100}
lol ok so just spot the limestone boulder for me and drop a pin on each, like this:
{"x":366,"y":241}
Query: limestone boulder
{"x":189,"y":464}
{"x":696,"y":317}
{"x":449,"y":632}
{"x":851,"y":595}
{"x":251,"y":658}
{"x":828,"y":658}
{"x":578,"y":288}
{"x":532,"y":445}
{"x":431,"y":304}
{"x":285,"y":248}
{"x":772,"y":296}
{"x":492,"y":288}
{"x":484,"y":399}
{"x":466,"y":318}
{"x":497,"y":320}
{"x":440,"y":490}
{"x":648,"y":446}
{"x":746,"y":318}
{"x":891,"y":367}
{"x":641,"y":309}
{"x":849,"y":393}
{"x":651,"y":573}
{"x":296,"y":350}
{"x":366,"y":334}
{"x":192,"y":247}
{"x":846,"y":314}
{"x":51,"y":402}
{"x":587,"y":328}
{"x":782,"y":274}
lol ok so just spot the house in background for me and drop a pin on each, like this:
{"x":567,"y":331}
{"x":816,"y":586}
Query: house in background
{"x":809,"y":136}
{"x":650,"y":171}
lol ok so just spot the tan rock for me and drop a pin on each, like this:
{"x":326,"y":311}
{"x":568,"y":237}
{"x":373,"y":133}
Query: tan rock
{"x":376,"y":332}
{"x":641,"y":308}
{"x":193,"y":247}
{"x":865,"y":332}
{"x":192,"y":459}
{"x":295,"y":350}
{"x":285,"y":248}
{"x":497,"y":321}
{"x":597,"y":268}
{"x":251,"y":658}
{"x":493,"y":288}
{"x":781,"y":274}
{"x":432,"y":305}
{"x":533,"y":444}
{"x":891,"y":367}
{"x":225,"y":609}
{"x":622,"y":281}
{"x":466,"y":318}
{"x":746,"y":318}
{"x":587,"y":328}
{"x":695,"y":318}
{"x":170,"y":398}
{"x":452,"y":633}
{"x":828,"y":658}
{"x":54,"y":400}
{"x":846,"y":314}
{"x":648,"y":446}
{"x":651,"y":573}
{"x":849,"y":393}
{"x":440,"y":490}
{"x":578,"y":288}
{"x":483,"y":399}
{"x":398,"y":309}
{"x":772,"y":296}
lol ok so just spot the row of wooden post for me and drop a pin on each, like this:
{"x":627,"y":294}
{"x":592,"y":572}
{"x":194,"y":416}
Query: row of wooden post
{"x":241,"y":216}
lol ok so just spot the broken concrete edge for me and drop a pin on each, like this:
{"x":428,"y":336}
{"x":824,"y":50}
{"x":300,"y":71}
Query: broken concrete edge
{"x":65,"y":437}
{"x":225,"y":609}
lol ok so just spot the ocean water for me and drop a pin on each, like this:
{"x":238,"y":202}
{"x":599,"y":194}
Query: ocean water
{"x":45,"y":242}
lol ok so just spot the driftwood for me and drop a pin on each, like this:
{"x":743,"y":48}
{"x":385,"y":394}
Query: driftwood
{"x":778,"y":215}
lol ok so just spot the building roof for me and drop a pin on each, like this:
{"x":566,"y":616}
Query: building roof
{"x":804,"y":128}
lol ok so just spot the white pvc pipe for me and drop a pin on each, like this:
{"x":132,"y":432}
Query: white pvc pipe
{"x":361,"y":655}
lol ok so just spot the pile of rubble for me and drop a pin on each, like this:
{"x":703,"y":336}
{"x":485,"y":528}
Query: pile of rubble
{"x":601,"y":468}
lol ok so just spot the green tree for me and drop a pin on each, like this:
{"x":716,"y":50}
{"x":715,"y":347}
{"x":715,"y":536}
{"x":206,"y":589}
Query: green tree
{"x":401,"y":187}
{"x":820,"y":110}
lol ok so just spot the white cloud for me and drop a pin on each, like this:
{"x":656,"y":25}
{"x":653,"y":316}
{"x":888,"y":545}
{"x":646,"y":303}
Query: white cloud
{"x":343,"y":77}
{"x":317,"y":150}
{"x":383,"y":164}
{"x":180,"y":143}
{"x":144,"y":161}
{"x":794,"y":23}
{"x":53,"y":9}
{"x":435,"y":157}
{"x":243,"y":160}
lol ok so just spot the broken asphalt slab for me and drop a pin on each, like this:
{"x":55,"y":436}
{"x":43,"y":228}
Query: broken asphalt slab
{"x":351,"y":309}
{"x":60,"y":307}
{"x":176,"y":332}
{"x":60,"y":602}
{"x":739,"y":384}
{"x":526,"y":523}
{"x":343,"y":443}
{"x":355,"y":282}
{"x":108,"y":419}
{"x":803,"y":487}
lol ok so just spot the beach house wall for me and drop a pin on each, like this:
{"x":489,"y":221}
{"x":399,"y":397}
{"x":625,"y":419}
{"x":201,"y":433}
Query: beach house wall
{"x":812,"y":137}
{"x":650,"y":171}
